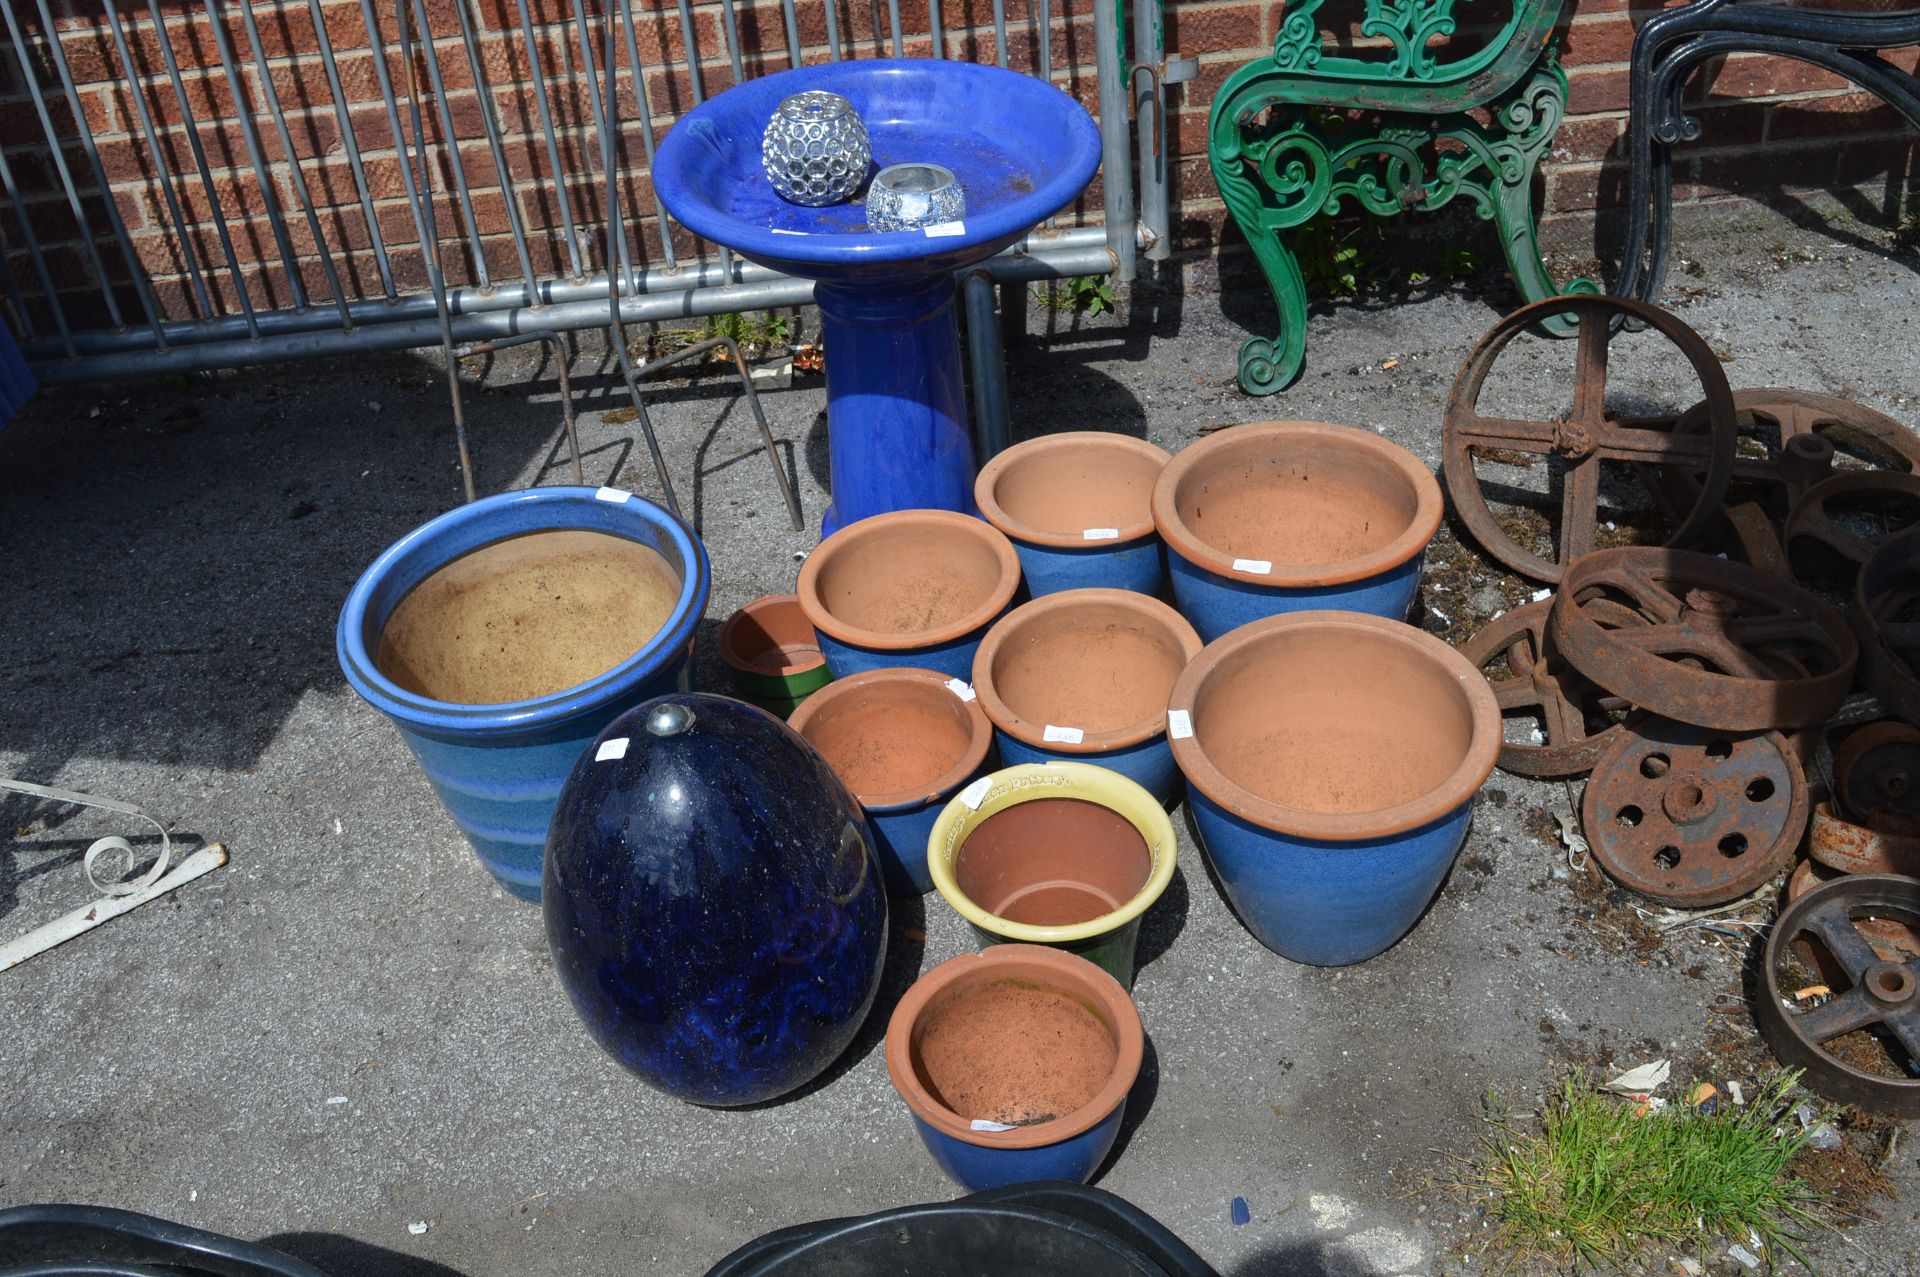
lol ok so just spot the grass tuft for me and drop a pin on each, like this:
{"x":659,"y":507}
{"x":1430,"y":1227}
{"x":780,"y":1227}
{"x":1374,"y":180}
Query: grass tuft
{"x":1596,"y":1182}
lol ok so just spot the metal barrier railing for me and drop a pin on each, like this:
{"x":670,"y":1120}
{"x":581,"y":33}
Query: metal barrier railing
{"x":269,"y":235}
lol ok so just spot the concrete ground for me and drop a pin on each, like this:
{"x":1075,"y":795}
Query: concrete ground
{"x":350,"y":1043}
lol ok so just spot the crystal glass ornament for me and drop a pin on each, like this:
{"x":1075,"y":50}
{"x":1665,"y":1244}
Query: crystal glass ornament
{"x":905,"y":197}
{"x":815,"y":149}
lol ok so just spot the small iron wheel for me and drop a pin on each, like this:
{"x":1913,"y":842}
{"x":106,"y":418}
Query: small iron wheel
{"x":1587,"y":436}
{"x":1692,"y":817}
{"x":1823,"y":545}
{"x":1886,"y":616}
{"x":1879,"y":996}
{"x":1531,"y":681}
{"x":1723,"y":645}
{"x":1876,"y":775}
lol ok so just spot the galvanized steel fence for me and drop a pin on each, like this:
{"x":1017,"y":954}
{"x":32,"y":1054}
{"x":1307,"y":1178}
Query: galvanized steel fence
{"x":195,"y":184}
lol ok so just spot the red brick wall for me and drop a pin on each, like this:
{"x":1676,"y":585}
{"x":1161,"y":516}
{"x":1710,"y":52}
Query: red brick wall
{"x":1816,"y":130}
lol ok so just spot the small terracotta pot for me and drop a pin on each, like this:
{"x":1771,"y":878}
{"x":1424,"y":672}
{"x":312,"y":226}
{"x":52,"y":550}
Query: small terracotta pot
{"x":1084,"y":675}
{"x":1078,"y":508}
{"x":1332,"y":767}
{"x":1016,"y":1064}
{"x":772,"y":655}
{"x":1062,"y":854}
{"x":903,"y":741}
{"x":1285,"y":516}
{"x":912,"y":587}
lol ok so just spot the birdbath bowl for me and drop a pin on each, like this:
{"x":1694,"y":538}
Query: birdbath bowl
{"x":896,"y":403}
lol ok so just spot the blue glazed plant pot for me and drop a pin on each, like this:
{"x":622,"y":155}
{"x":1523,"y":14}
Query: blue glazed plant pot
{"x":914,"y":588}
{"x":713,"y":902}
{"x":1289,"y":516}
{"x":904,"y":741}
{"x":1039,"y":1047}
{"x":1078,"y":508}
{"x":1332,"y":765}
{"x":1083,"y":675}
{"x":498,"y":767}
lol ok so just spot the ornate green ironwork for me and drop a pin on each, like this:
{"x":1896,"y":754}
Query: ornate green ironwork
{"x":1278,"y":167}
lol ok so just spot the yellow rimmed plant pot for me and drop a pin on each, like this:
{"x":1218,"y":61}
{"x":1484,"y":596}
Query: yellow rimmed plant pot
{"x":1062,"y":854}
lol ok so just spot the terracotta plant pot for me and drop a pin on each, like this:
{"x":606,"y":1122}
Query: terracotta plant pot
{"x":772,"y":655}
{"x":1285,"y":516}
{"x":913,"y":587}
{"x":904,"y":742}
{"x":1016,"y":1064}
{"x":1078,"y":508}
{"x":1062,"y":854}
{"x":1084,"y":675}
{"x":1332,"y":767}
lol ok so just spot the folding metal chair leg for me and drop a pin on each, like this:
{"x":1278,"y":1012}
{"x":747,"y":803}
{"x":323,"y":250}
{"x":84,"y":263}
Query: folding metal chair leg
{"x":557,"y":348}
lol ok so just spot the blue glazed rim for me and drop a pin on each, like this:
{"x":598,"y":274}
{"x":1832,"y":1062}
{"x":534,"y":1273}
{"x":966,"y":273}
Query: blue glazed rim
{"x":470,"y":527}
{"x":757,"y":98}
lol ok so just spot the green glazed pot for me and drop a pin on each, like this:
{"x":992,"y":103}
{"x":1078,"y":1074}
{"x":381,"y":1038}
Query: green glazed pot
{"x":772,"y":654}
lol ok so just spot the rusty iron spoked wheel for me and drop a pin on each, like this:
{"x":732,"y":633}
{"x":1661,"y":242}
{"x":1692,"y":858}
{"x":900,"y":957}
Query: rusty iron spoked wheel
{"x":1789,"y":440}
{"x":1892,"y":939}
{"x":1529,"y":679}
{"x":1886,"y":616}
{"x":1724,"y":645}
{"x":1882,"y":996}
{"x":1876,"y":773}
{"x":1692,"y":817}
{"x":1823,"y":544}
{"x":1588,"y":436}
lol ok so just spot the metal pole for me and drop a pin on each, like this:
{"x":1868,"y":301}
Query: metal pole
{"x":991,"y":426}
{"x":1150,"y":119}
{"x":1116,"y":176}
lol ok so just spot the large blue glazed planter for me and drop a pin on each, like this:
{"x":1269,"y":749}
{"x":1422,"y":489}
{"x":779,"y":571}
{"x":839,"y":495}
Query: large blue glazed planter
{"x":961,"y":998}
{"x":1021,"y":150}
{"x":1332,"y":759}
{"x":912,"y":588}
{"x":1083,"y":675}
{"x":1078,"y":507}
{"x":498,"y":768}
{"x":713,"y":901}
{"x":1288,"y":516}
{"x":904,"y":741}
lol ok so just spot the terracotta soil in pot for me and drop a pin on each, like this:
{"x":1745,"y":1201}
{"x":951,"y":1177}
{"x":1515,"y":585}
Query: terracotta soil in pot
{"x":917,"y":578}
{"x":526,"y":617}
{"x":1296,"y":501}
{"x":1065,"y":484}
{"x":888,"y":735}
{"x":1013,"y":1051}
{"x":1097,"y":666}
{"x":1333,"y":721}
{"x":1053,"y":862}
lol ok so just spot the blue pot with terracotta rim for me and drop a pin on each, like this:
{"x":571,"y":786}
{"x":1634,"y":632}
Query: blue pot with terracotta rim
{"x":498,"y":767}
{"x":914,"y":588}
{"x":1083,"y":675}
{"x":1043,"y":1046}
{"x":1078,"y":507}
{"x":1289,"y":516}
{"x":904,"y":741}
{"x":1332,"y":760}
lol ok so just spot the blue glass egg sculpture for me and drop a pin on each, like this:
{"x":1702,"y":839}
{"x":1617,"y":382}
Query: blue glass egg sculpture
{"x":713,"y":900}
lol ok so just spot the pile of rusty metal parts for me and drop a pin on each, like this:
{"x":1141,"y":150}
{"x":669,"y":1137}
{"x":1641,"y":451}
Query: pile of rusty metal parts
{"x":1734,"y":700}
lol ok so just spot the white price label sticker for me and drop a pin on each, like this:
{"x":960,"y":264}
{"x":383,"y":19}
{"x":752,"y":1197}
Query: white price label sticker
{"x":610,"y":750}
{"x":1062,"y":735}
{"x":1101,"y":534}
{"x":781,"y":230}
{"x":944,"y":230}
{"x":982,"y":1124}
{"x":976,"y":793}
{"x":619,"y":496}
{"x":1179,"y":724}
{"x":1262,"y":566}
{"x":961,"y":689}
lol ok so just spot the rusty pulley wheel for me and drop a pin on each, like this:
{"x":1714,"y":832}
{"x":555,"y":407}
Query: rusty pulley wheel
{"x":1724,"y":645}
{"x":1886,"y":616}
{"x":1880,"y":997}
{"x":1588,"y":436}
{"x":1692,"y":817}
{"x":1838,"y":523}
{"x":1876,"y":776}
{"x":1855,"y":849}
{"x":1531,"y":680}
{"x":1789,"y":440}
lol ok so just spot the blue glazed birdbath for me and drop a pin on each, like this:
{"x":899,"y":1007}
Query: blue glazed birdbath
{"x":896,"y":403}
